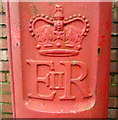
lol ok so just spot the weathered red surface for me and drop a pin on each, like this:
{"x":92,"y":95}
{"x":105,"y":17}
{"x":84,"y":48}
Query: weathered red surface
{"x":59,"y":59}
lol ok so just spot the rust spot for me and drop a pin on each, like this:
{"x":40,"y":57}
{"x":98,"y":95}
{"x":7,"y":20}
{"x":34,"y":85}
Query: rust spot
{"x":16,"y":44}
{"x":50,"y":3}
{"x":51,"y":24}
{"x":35,"y":10}
{"x":99,"y":51}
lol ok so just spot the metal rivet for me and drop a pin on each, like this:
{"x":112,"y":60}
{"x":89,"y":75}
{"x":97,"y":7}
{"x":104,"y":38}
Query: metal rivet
{"x":87,"y":30}
{"x":85,"y":34}
{"x":38,"y":46}
{"x":46,"y":17}
{"x":79,"y":15}
{"x":66,"y":18}
{"x":31,"y":20}
{"x":30,"y":26}
{"x":38,"y":15}
{"x":74,"y":15}
{"x":88,"y":25}
{"x":70,"y":17}
{"x":33,"y":17}
{"x":86,"y":20}
{"x":30,"y":30}
{"x":51,"y":19}
{"x":83,"y":17}
{"x":32,"y":34}
{"x":42,"y":15}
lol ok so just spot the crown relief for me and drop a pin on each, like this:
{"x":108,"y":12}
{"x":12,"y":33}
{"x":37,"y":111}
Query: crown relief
{"x":58,"y":36}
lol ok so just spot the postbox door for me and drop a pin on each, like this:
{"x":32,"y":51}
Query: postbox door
{"x":59,"y":55}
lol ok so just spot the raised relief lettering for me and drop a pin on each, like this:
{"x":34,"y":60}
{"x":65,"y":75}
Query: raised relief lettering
{"x":78,"y":81}
{"x":34,"y":64}
{"x":58,"y":37}
{"x":63,"y":77}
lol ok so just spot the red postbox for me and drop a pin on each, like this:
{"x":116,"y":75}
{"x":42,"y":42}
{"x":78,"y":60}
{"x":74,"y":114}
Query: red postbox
{"x":59,"y":56}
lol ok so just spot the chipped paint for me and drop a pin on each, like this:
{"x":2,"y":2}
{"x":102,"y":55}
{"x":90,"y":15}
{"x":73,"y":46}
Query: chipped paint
{"x":74,"y":63}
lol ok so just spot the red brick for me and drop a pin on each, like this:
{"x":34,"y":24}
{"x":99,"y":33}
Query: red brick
{"x":3,"y":31}
{"x":113,"y":113}
{"x":116,"y":4}
{"x":2,"y":19}
{"x":1,"y":6}
{"x":5,"y":98}
{"x":7,"y":108}
{"x":7,"y":116}
{"x":113,"y":90}
{"x":115,"y":28}
{"x":0,"y":107}
{"x":4,"y":66}
{"x":0,"y":115}
{"x":8,"y":77}
{"x":114,"y":42}
{"x":3,"y":55}
{"x":114,"y":54}
{"x":2,"y":76}
{"x":113,"y":102}
{"x":115,"y":16}
{"x":3,"y":44}
{"x":114,"y":67}
{"x":114,"y":79}
{"x":5,"y":88}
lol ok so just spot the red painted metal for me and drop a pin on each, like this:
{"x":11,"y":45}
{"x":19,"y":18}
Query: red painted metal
{"x":59,"y":56}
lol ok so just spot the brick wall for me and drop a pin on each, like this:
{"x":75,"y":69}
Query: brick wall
{"x":5,"y":94}
{"x":113,"y":86}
